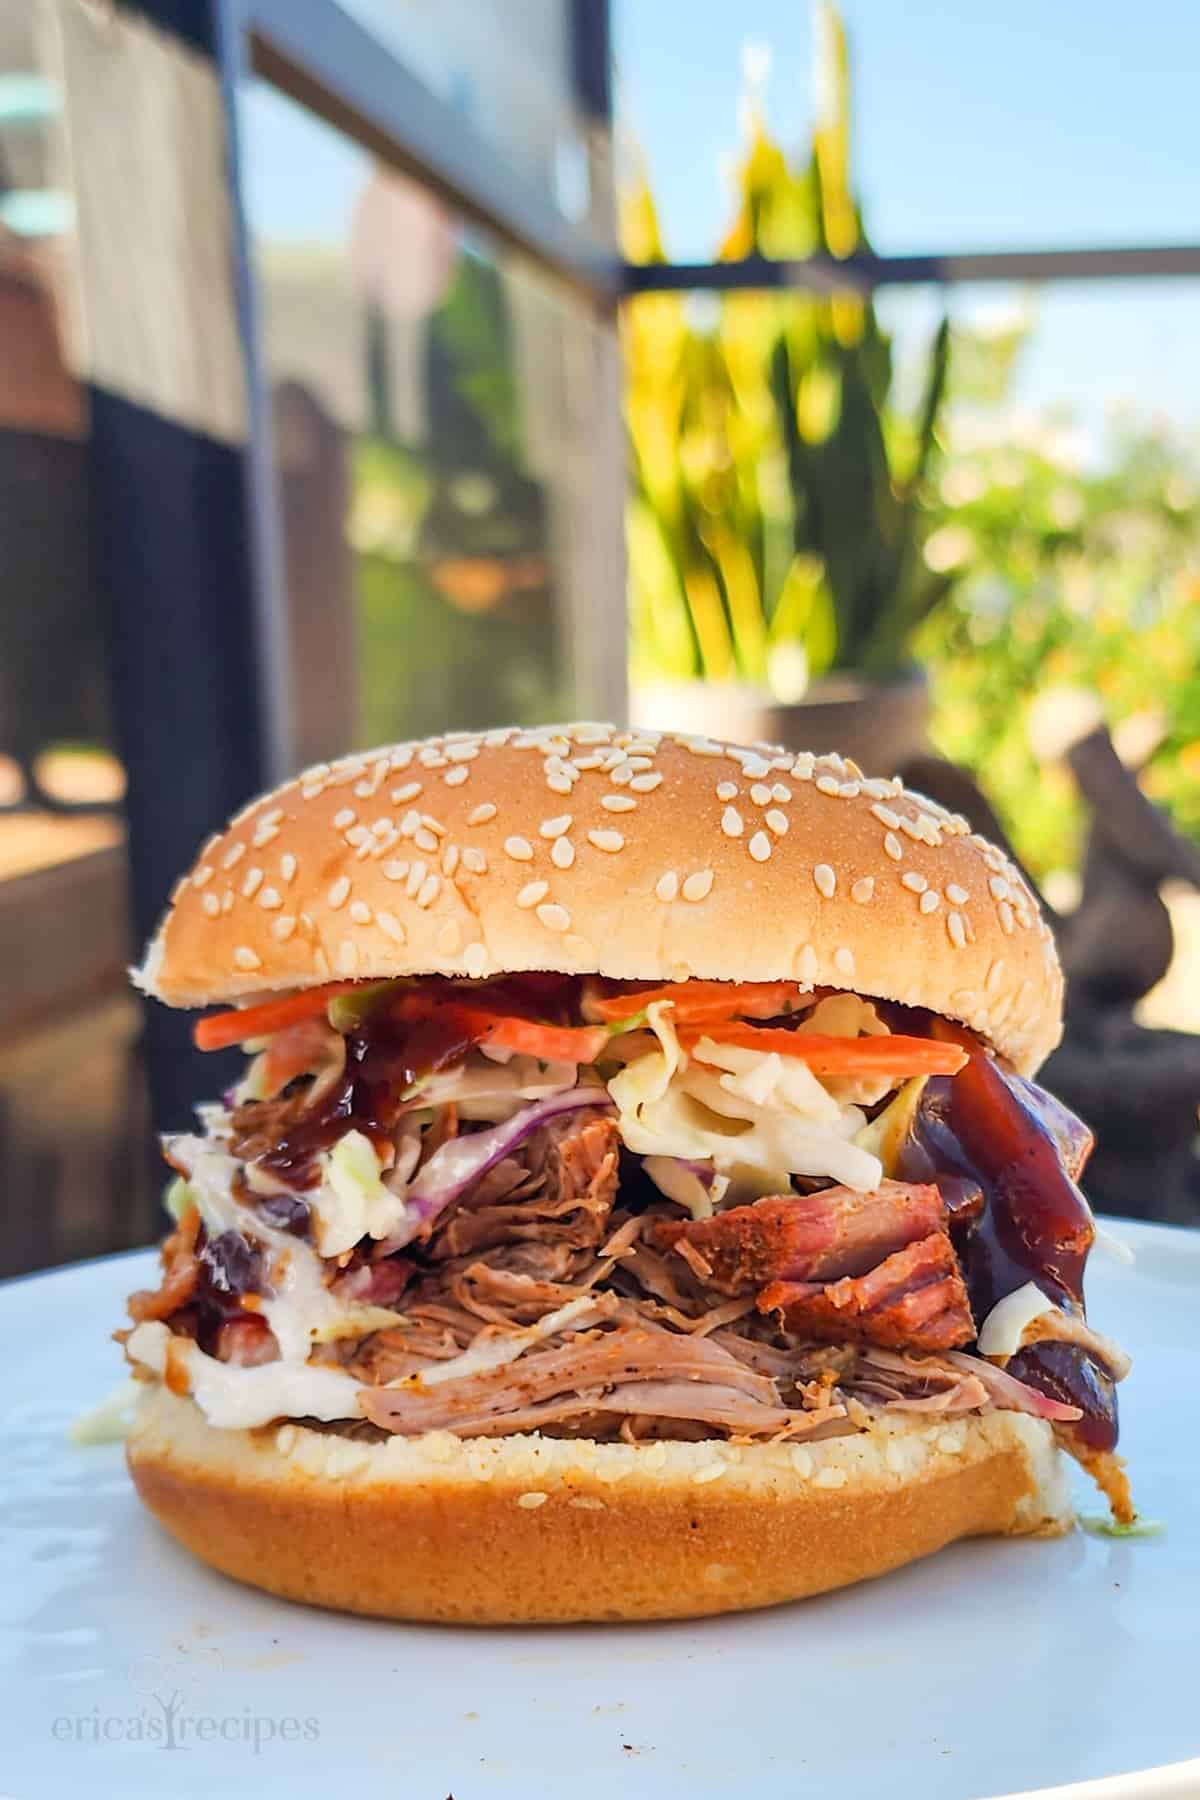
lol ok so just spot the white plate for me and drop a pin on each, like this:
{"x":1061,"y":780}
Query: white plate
{"x":993,"y":1668}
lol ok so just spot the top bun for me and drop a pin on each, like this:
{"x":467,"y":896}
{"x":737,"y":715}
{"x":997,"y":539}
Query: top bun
{"x":633,"y":854}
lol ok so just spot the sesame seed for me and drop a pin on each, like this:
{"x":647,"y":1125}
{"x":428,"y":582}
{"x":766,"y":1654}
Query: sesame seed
{"x":759,"y":846}
{"x":519,"y":848}
{"x":233,"y":856}
{"x":425,"y":840}
{"x":479,"y":815}
{"x":203,"y":876}
{"x":320,"y":962}
{"x":409,"y":823}
{"x":701,"y":746}
{"x":474,"y":860}
{"x":618,"y":803}
{"x":360,"y":912}
{"x":802,"y":764}
{"x":781,"y":792}
{"x":930,"y":901}
{"x":264,"y":833}
{"x":358,"y":835}
{"x":531,"y":1500}
{"x":402,"y":795}
{"x":431,"y":758}
{"x":312,"y":790}
{"x":886,"y":816}
{"x":345,"y":817}
{"x":475,"y":959}
{"x":347,"y":957}
{"x":395,"y":871}
{"x":824,"y":880}
{"x":957,"y":896}
{"x":227,"y":900}
{"x":532,"y":892}
{"x":462,"y":753}
{"x":611,"y":841}
{"x":727,"y":790}
{"x":893,"y":846}
{"x":667,"y":886}
{"x":449,"y":938}
{"x":283,"y":927}
{"x":252,"y":883}
{"x":731,"y":822}
{"x":843,"y":961}
{"x":245,"y":958}
{"x":553,"y":828}
{"x":622,"y":775}
{"x":287,"y":866}
{"x":450,"y":857}
{"x":1006,"y":918}
{"x":270,"y":899}
{"x":456,"y":776}
{"x":863,"y":888}
{"x":553,"y":917}
{"x":806,"y":963}
{"x":827,"y":784}
{"x":956,"y":929}
{"x":390,"y":926}
{"x":778,"y":821}
{"x":211,"y":905}
{"x":699,"y":885}
{"x":401,"y":757}
{"x":434,"y":825}
{"x":587,"y":762}
{"x":995,"y":977}
{"x":760,"y":793}
{"x":429,"y":890}
{"x":558,"y":784}
{"x":999,"y":888}
{"x":562,"y":853}
{"x":645,"y":784}
{"x":339,"y":891}
{"x":917,"y":883}
{"x":850,"y":790}
{"x":755,"y":766}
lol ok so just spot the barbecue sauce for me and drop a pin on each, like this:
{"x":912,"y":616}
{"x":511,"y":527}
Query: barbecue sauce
{"x":987,"y":1127}
{"x":384,"y":1061}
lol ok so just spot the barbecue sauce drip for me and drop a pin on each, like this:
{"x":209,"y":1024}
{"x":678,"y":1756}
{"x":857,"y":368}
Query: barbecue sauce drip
{"x":986,"y":1126}
{"x":384,"y":1060}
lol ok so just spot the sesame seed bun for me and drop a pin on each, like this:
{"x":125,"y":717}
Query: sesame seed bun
{"x":584,"y":848}
{"x":531,"y":1529}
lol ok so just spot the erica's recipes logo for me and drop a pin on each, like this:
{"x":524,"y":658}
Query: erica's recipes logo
{"x":163,"y":1718}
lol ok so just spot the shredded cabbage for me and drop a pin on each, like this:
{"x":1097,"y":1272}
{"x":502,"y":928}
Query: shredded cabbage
{"x":759,"y":1119}
{"x":353,"y":1202}
{"x":485,"y":1088}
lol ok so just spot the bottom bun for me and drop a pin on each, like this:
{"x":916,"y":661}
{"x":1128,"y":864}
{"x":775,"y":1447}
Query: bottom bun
{"x":492,"y":1531}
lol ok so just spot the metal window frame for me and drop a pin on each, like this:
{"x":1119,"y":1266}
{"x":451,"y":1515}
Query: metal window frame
{"x":865,"y":273}
{"x":321,"y":57}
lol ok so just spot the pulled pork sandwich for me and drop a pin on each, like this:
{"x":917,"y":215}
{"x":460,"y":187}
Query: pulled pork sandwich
{"x":636,"y":1203}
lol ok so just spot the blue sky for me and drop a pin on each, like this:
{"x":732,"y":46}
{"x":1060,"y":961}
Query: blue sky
{"x":1033,"y":124}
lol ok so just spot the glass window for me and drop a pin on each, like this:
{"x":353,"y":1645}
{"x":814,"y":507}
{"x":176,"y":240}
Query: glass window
{"x":436,"y":406}
{"x":505,"y":66}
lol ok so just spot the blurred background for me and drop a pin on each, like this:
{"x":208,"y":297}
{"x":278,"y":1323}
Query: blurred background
{"x":375,"y":368}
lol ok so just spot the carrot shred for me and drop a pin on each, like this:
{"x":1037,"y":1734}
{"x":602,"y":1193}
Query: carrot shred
{"x":695,"y":1000}
{"x":893,"y":1055}
{"x":528,"y":1037}
{"x":221,"y":1030}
